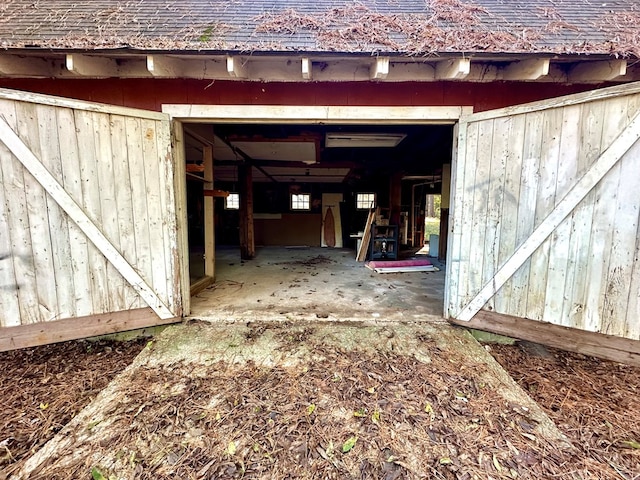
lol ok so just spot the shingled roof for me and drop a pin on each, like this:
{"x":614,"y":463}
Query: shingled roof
{"x":394,"y":27}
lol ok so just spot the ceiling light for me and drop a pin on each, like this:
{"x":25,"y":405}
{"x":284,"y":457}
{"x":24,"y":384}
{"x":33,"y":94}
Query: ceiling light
{"x":371,"y":140}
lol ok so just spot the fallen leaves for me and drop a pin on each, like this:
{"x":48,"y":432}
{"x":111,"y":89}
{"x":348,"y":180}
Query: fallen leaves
{"x":592,"y":401}
{"x":66,"y":375}
{"x":435,"y":420}
{"x":322,"y":421}
{"x":348,"y":445}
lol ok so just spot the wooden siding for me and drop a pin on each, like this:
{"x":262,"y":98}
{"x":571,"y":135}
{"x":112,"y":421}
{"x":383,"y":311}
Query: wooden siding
{"x":87,"y":211}
{"x":151,"y":94}
{"x":515,"y":167}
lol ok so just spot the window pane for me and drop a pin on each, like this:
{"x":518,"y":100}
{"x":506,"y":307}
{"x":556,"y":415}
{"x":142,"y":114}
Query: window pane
{"x":365,"y":200}
{"x":232,"y":202}
{"x":300,"y":201}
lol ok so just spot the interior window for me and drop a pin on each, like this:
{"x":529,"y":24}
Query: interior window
{"x":365,"y":201}
{"x":300,"y":201}
{"x":232,"y":202}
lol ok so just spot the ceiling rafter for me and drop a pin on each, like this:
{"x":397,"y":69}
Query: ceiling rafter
{"x":294,"y":68}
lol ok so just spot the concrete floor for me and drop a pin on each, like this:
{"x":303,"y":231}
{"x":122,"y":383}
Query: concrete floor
{"x":307,"y":283}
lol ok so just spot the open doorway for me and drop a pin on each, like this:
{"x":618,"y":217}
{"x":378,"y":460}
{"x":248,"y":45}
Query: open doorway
{"x":311,"y":186}
{"x":300,"y":173}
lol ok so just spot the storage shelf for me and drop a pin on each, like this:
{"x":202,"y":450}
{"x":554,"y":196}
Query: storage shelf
{"x":384,"y":242}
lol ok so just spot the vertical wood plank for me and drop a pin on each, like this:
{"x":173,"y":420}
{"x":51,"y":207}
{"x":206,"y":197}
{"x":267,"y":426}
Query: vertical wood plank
{"x":9,"y":304}
{"x":512,"y":146}
{"x":124,"y":204}
{"x":545,"y":201}
{"x":90,"y":185}
{"x":45,"y":276}
{"x":451,"y":290}
{"x":527,"y":199}
{"x":139,"y":198}
{"x":466,"y":215}
{"x":632,"y":325}
{"x":606,"y":192}
{"x":589,"y":150}
{"x":72,"y":181}
{"x":479,"y":205}
{"x":152,"y":162}
{"x":247,"y":245}
{"x":623,"y":246}
{"x":18,"y":218}
{"x":183,"y":301}
{"x":495,"y":199}
{"x":58,"y":220}
{"x":559,"y":240}
{"x":108,"y":207}
{"x":170,"y":225}
{"x":209,"y":227}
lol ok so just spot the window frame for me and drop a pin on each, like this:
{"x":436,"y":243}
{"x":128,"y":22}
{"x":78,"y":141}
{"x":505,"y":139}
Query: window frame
{"x":372,"y":204}
{"x":293,"y":204}
{"x":226,"y":201}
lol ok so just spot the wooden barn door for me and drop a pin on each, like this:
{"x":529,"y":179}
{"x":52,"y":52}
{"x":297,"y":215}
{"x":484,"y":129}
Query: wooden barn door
{"x":87,"y":220}
{"x":546,"y":212}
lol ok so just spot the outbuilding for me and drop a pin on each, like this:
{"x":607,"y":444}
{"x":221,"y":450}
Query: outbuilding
{"x":136,"y":136}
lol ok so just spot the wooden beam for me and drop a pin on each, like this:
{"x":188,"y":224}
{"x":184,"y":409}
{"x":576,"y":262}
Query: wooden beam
{"x":91,"y":66}
{"x":247,"y":242}
{"x":34,"y":334}
{"x":380,"y":69}
{"x":165,"y":67}
{"x":182,"y":223}
{"x":209,"y":226}
{"x":361,"y":255}
{"x":194,"y":167}
{"x":453,"y":69}
{"x":582,"y":187}
{"x":200,"y":136}
{"x":235,"y":67}
{"x":18,"y":66}
{"x":247,"y":158}
{"x":307,"y":69}
{"x":195,"y":178}
{"x":53,"y":188}
{"x":531,"y":69}
{"x":395,"y":197}
{"x":597,"y":71}
{"x":329,"y":114}
{"x":215,"y":193}
{"x":571,"y":339}
{"x":200,"y":285}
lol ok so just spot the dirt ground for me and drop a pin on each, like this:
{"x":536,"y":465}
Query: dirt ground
{"x":594,"y":402}
{"x":43,"y":388}
{"x":313,"y":401}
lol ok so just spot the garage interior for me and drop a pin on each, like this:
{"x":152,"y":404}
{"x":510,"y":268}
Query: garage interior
{"x":311,"y":189}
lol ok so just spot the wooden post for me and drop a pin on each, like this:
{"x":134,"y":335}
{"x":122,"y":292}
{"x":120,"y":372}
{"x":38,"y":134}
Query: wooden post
{"x":209,"y":208}
{"x":444,"y":234}
{"x":247,"y":243}
{"x":395,"y":198}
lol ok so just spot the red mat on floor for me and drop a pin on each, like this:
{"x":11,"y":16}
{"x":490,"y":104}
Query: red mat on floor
{"x":399,"y":263}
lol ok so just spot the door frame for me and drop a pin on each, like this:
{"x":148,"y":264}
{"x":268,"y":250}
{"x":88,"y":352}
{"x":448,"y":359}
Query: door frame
{"x":295,"y":114}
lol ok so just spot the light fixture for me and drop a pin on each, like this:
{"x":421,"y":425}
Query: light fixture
{"x":371,"y":140}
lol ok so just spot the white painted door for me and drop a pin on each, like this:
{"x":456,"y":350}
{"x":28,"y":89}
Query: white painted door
{"x":331,"y":235}
{"x":87,"y":211}
{"x":545,"y":214}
